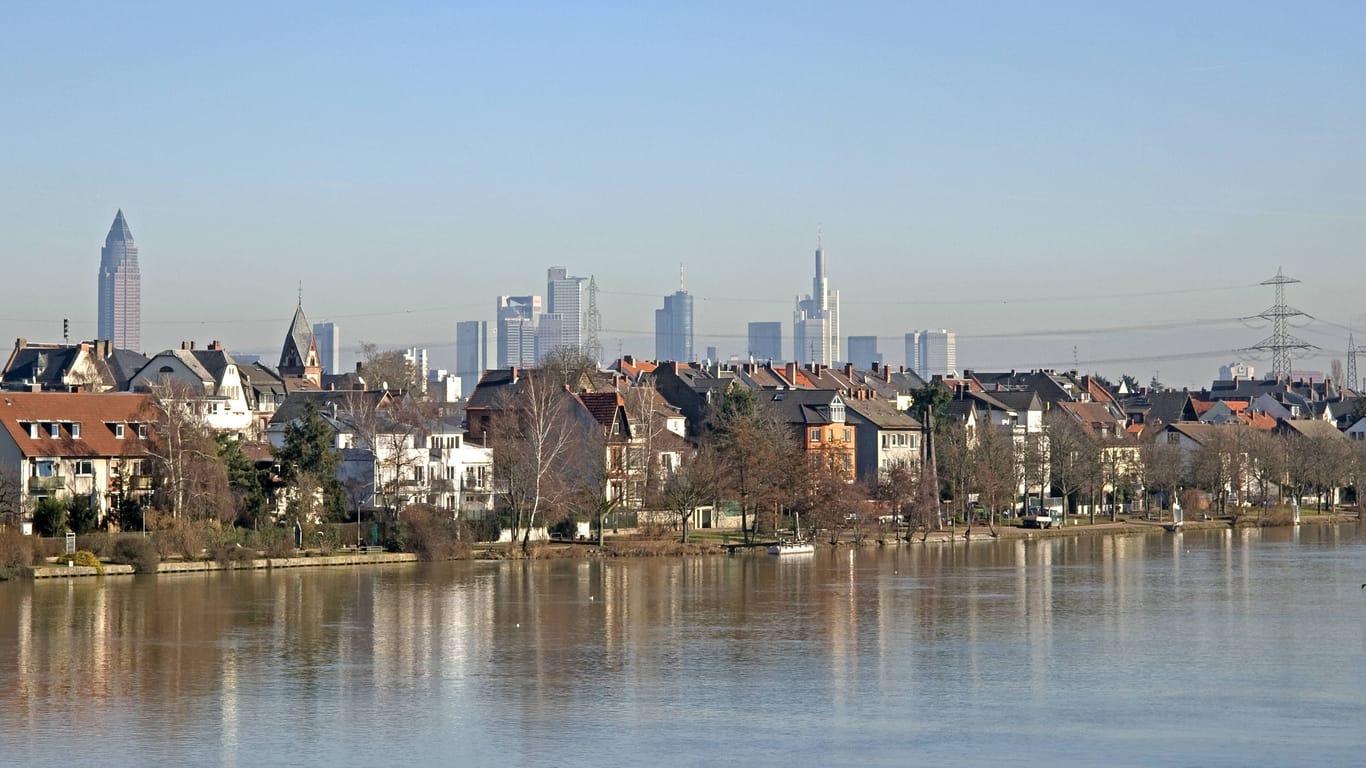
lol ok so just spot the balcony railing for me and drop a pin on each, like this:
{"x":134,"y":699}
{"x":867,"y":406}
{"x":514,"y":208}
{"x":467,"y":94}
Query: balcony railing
{"x":36,"y":484}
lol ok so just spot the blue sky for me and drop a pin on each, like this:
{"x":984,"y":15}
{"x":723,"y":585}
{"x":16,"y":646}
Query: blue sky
{"x":1037,"y":178}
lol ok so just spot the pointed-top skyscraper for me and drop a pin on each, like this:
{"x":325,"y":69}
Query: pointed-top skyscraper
{"x":816,"y":321}
{"x":120,"y":310}
{"x":299,"y":355}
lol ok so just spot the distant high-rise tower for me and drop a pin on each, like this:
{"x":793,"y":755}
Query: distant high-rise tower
{"x":816,"y":321}
{"x":913,"y":351}
{"x":938,"y":354}
{"x":299,"y":355}
{"x":328,"y":338}
{"x":120,"y":310}
{"x":766,"y":341}
{"x":673,"y":326}
{"x":562,"y":324}
{"x":417,"y":358}
{"x":471,"y":353}
{"x":863,"y":351}
{"x":517,"y":330}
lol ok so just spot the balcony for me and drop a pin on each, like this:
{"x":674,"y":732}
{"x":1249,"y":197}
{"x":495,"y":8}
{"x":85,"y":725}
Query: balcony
{"x":44,"y":484}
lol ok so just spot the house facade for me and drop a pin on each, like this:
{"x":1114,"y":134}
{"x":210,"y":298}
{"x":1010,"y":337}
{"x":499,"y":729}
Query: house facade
{"x":64,"y":445}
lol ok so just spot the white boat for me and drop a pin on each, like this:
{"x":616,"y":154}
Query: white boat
{"x":792,"y":548}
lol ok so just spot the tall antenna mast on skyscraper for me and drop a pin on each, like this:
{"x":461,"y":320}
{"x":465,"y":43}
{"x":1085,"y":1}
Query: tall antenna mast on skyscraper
{"x":680,"y":277}
{"x":592,"y":346}
{"x":1281,"y":344}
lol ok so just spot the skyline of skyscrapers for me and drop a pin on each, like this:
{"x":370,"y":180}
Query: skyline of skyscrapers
{"x":766,"y":341}
{"x":120,"y":288}
{"x":674,"y":328}
{"x":561,"y":326}
{"x":863,"y":351}
{"x":471,"y":352}
{"x":516,"y":316}
{"x":328,"y":338}
{"x":816,"y":320}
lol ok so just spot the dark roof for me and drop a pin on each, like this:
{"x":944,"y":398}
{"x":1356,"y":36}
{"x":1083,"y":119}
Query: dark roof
{"x":602,"y":405}
{"x":298,"y":341}
{"x":324,"y":400}
{"x":215,"y":361}
{"x":123,"y":364}
{"x":44,"y":365}
{"x":801,"y":406}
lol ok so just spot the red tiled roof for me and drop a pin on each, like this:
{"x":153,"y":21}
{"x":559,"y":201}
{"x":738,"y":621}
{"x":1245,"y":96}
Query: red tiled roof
{"x":97,"y":415}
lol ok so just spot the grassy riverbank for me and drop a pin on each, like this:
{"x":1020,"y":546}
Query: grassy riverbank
{"x":701,"y":542}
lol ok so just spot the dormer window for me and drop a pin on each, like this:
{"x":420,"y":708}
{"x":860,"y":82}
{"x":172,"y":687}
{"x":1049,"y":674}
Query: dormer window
{"x":75,"y":431}
{"x":142,"y":431}
{"x":33,"y":431}
{"x":54,"y":430}
{"x":118,"y":431}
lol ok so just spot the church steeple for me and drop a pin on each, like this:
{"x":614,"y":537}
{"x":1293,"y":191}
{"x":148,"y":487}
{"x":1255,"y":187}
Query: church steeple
{"x":299,"y":355}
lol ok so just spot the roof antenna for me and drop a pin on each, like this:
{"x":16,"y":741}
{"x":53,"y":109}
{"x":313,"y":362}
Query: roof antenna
{"x":301,"y":293}
{"x":680,"y":277}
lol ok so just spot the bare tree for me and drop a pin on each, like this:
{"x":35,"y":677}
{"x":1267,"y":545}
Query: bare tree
{"x":1161,"y":471}
{"x":1072,"y":455}
{"x":181,"y":445}
{"x":389,"y":369}
{"x":533,"y":438}
{"x":957,"y":466}
{"x":995,"y":471}
{"x":754,"y":449}
{"x":694,"y":485}
{"x":11,"y":497}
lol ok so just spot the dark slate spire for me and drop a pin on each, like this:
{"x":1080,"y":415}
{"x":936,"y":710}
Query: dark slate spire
{"x":299,"y":350}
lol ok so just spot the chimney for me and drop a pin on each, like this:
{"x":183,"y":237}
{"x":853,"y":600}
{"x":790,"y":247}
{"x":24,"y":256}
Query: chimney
{"x":215,"y":346}
{"x":791,"y":373}
{"x":849,"y":371}
{"x":887,"y":373}
{"x":20,"y":343}
{"x":513,"y":371}
{"x":184,"y":346}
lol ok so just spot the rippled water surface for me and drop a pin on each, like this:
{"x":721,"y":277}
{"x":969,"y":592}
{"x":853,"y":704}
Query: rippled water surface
{"x":1205,"y":648}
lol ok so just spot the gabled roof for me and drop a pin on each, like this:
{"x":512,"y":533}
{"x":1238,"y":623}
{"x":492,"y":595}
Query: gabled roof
{"x":343,"y":401}
{"x":881,"y":414}
{"x":97,"y":413}
{"x":1203,"y":433}
{"x":186,"y":358}
{"x":44,"y":364}
{"x":802,"y":406}
{"x":1313,"y":428}
{"x":602,"y":405}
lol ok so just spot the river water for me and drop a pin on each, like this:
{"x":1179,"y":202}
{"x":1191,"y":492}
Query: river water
{"x":1207,"y":648}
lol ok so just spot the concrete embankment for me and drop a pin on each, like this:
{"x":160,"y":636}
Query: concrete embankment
{"x":202,"y":566}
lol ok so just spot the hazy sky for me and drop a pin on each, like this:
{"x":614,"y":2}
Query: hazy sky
{"x":1037,"y":177}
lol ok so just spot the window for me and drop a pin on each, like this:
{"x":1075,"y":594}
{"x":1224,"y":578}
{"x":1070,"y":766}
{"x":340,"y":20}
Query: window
{"x":886,"y":441}
{"x":55,"y":430}
{"x":33,"y":431}
{"x":75,"y":431}
{"x":118,"y":431}
{"x":1173,"y":438}
{"x":815,"y":435}
{"x":45,"y":468}
{"x":84,"y":467}
{"x":142,"y":432}
{"x":848,"y":435}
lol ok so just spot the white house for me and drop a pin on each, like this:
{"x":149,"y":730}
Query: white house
{"x":208,"y":379}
